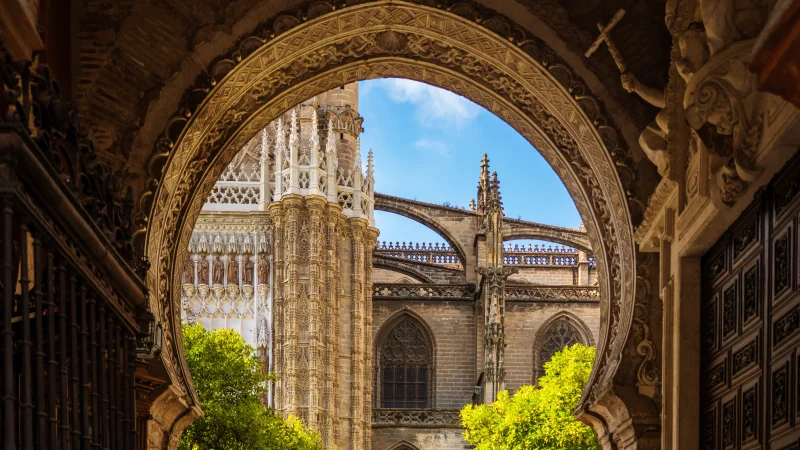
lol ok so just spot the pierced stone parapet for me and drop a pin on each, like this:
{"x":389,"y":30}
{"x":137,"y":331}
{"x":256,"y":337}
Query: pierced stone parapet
{"x":544,"y":293}
{"x":393,"y":291}
{"x":416,"y":418}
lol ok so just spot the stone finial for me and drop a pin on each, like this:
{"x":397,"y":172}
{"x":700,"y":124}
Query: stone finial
{"x":370,"y":165}
{"x":293,"y":136}
{"x":357,"y":160}
{"x":264,"y":144}
{"x":280,"y":136}
{"x":472,"y":204}
{"x":330,"y":145}
{"x":495,"y":200}
{"x":315,"y":129}
{"x":483,"y":185}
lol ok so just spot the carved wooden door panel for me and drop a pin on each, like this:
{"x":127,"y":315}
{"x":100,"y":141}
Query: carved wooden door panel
{"x":750,"y":393}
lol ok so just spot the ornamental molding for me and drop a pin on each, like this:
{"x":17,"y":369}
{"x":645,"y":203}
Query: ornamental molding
{"x":722,"y":107}
{"x":416,"y":418}
{"x":655,"y":207}
{"x":551,"y":293}
{"x":283,"y":64}
{"x":405,"y":291}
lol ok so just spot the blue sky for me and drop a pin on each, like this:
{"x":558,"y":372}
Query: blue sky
{"x":428,"y":145}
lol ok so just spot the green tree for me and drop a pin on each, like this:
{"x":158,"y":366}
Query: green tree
{"x":229,"y":379}
{"x":537,"y":418}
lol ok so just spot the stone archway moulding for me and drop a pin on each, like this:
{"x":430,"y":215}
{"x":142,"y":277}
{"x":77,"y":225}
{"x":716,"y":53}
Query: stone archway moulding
{"x":491,"y":63}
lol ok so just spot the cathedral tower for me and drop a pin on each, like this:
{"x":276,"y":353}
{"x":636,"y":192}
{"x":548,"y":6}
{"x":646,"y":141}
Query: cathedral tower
{"x":323,"y":228}
{"x":300,"y":190}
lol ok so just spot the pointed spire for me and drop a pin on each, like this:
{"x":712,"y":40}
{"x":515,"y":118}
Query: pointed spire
{"x":357,"y":162}
{"x":293,"y":130}
{"x":264,"y":144}
{"x":495,"y":200}
{"x":315,"y":127}
{"x":280,"y":135}
{"x":370,"y":165}
{"x":483,"y":185}
{"x":330,"y":146}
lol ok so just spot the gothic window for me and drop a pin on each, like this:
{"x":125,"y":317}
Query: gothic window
{"x":559,"y":334}
{"x":406,"y":359}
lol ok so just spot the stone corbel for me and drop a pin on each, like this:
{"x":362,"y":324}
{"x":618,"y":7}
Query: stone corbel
{"x":721,"y":104}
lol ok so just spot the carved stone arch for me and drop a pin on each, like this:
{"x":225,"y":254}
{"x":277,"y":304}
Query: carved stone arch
{"x":552,"y":332}
{"x":382,"y":262}
{"x":515,"y":229}
{"x":508,"y":75}
{"x":543,"y":237}
{"x":424,"y":219}
{"x":386,"y":328}
{"x":403,"y":445}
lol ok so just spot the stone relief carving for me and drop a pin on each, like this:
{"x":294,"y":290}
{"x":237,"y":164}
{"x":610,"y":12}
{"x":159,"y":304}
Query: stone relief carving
{"x":722,"y":108}
{"x":653,"y":140}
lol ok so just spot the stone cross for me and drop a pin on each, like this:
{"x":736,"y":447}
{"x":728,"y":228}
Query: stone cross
{"x":605,"y":36}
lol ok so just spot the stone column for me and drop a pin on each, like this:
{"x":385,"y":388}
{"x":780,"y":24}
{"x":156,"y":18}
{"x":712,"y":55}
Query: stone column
{"x":333,"y":226}
{"x":316,"y":207}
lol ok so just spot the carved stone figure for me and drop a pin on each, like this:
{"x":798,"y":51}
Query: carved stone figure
{"x":218,"y":271}
{"x":188,"y":271}
{"x":653,"y":140}
{"x":233,"y":270}
{"x":728,"y":21}
{"x":248,"y":271}
{"x":202,"y":272}
{"x":263,"y":271}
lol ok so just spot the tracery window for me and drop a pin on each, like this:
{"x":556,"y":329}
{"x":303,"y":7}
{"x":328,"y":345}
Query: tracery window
{"x":559,"y":334}
{"x":406,"y":369}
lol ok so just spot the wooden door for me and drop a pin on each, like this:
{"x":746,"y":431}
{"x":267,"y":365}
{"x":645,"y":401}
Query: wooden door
{"x":750,"y":393}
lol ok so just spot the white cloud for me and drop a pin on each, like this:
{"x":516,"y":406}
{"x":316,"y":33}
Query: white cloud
{"x":440,"y":147}
{"x":435,"y":107}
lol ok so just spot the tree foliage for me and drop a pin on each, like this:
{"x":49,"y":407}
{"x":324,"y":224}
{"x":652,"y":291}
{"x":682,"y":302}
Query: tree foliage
{"x":537,"y":418}
{"x":229,"y":377}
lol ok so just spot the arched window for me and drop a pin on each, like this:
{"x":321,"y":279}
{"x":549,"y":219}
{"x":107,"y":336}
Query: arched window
{"x":561,"y":331}
{"x":405,"y":355}
{"x":403,"y":446}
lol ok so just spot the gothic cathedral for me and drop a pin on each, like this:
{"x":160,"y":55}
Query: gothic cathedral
{"x":364,"y":336}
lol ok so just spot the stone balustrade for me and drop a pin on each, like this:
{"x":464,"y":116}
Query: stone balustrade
{"x":513,"y":255}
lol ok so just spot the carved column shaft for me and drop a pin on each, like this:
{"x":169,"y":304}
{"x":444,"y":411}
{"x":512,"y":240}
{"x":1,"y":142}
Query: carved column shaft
{"x":358,"y":331}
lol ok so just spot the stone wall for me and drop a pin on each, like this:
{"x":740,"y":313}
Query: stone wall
{"x":524,"y":320}
{"x":548,"y":275}
{"x":421,"y":438}
{"x":456,"y":345}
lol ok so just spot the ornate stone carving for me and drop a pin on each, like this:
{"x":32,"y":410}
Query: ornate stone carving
{"x":428,"y":291}
{"x":648,"y":374}
{"x":723,"y":95}
{"x":415,"y":418}
{"x":582,"y":147}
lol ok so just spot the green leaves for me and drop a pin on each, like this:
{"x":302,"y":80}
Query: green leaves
{"x":537,"y":418}
{"x":229,"y":379}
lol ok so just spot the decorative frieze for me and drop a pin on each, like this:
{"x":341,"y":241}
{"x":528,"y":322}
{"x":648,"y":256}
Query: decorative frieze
{"x":416,"y":418}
